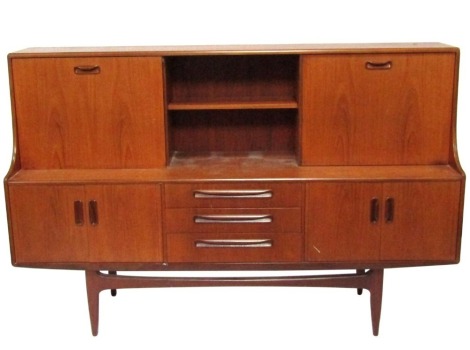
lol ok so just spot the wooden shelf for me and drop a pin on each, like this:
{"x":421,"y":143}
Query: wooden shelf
{"x":187,"y":106}
{"x":224,"y":167}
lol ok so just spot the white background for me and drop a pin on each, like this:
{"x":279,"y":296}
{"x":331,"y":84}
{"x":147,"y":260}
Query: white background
{"x":47,"y":309}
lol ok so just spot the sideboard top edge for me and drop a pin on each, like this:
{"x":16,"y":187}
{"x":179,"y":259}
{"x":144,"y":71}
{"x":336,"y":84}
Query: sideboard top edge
{"x":230,"y":49}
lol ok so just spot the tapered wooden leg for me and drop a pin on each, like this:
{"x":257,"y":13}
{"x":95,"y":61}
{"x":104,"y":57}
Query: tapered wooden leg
{"x":93,"y":294}
{"x":376,"y":288}
{"x":360,"y":272}
{"x":113,"y":291}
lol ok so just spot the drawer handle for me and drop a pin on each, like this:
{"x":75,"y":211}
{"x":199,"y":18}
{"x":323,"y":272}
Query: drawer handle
{"x":234,"y":243}
{"x":379,"y":65}
{"x":233,"y":194}
{"x":232,"y":219}
{"x":87,"y":69}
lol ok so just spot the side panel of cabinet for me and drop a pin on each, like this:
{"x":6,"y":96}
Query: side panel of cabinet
{"x":110,"y":116}
{"x":43,"y":224}
{"x":376,"y":109}
{"x":424,"y":225}
{"x":127,"y":225}
{"x":338,"y":222}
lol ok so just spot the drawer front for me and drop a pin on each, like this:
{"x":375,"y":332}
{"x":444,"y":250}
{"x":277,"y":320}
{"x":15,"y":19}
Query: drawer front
{"x":198,"y":220}
{"x":234,"y":248}
{"x":233,"y":195}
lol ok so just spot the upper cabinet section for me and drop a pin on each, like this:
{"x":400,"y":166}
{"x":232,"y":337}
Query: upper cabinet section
{"x":314,"y":105}
{"x":377,"y":109}
{"x":89,"y":112}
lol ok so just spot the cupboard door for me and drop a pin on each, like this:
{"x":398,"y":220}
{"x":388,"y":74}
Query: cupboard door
{"x":89,"y":112}
{"x":45,"y":225}
{"x":376,"y":109}
{"x":125,"y":223}
{"x":423,"y":223}
{"x":339,"y":224}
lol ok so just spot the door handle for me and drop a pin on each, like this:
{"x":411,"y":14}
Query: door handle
{"x":93,"y":212}
{"x":389,"y":210}
{"x":78,"y":211}
{"x":378,"y":65}
{"x":95,"y":69}
{"x":374,"y":210}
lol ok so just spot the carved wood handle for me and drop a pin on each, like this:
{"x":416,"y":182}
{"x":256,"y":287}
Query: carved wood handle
{"x":94,"y":69}
{"x":374,"y":210}
{"x":389,"y":210}
{"x":233,"y":194}
{"x":78,"y":211}
{"x":378,"y":65}
{"x":234,"y":243}
{"x":93,"y":212}
{"x":232,"y":219}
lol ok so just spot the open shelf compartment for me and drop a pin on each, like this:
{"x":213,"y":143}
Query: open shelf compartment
{"x":232,"y":104}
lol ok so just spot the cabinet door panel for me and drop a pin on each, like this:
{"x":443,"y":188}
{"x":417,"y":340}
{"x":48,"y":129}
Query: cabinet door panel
{"x":112,"y":119}
{"x":43,"y":224}
{"x":425,"y":221}
{"x":128,"y":225}
{"x":352,"y":115}
{"x":338,"y":222}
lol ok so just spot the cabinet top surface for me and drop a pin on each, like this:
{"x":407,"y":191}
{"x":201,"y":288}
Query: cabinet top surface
{"x":233,"y":49}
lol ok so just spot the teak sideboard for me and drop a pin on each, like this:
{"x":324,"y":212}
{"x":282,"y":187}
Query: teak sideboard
{"x":288,"y":157}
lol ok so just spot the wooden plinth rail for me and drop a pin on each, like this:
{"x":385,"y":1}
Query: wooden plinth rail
{"x":372,"y":280}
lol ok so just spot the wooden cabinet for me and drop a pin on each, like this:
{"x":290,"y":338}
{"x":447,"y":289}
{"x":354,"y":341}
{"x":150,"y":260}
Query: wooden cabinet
{"x":89,"y":112}
{"x":382,"y":221}
{"x":290,"y":157}
{"x":92,"y":223}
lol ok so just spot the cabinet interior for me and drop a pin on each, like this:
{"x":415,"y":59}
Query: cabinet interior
{"x":232,"y":104}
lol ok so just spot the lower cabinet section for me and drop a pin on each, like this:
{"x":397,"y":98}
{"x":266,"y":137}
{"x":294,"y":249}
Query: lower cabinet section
{"x":387,"y":221}
{"x":91,"y":223}
{"x":235,"y":248}
{"x":345,"y":221}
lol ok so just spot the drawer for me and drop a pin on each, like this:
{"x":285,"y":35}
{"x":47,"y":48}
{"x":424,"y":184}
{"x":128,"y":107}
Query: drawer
{"x":198,"y":220}
{"x":233,"y":195}
{"x":234,"y":248}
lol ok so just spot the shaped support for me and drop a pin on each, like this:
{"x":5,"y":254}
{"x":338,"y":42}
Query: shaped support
{"x":371,"y":280}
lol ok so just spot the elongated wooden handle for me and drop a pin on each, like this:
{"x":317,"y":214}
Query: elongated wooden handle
{"x":378,"y":65}
{"x":232,"y":219}
{"x":374,"y":210}
{"x":93,"y":69}
{"x":234,"y":243}
{"x":78,"y":211}
{"x":389,"y":210}
{"x":93,"y":212}
{"x":233,"y":194}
